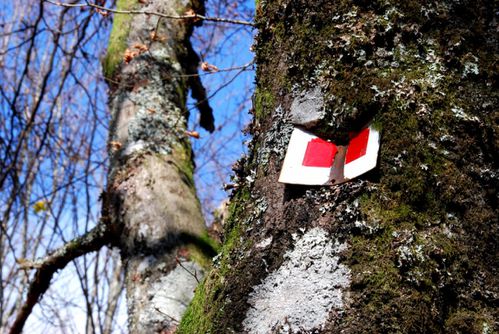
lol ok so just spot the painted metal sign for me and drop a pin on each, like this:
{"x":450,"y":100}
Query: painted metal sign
{"x":311,"y":160}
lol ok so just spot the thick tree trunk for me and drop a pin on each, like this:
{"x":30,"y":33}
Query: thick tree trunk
{"x":151,"y":200}
{"x":410,"y":247}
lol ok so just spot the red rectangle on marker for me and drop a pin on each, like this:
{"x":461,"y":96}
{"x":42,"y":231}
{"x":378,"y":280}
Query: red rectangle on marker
{"x":319,"y":153}
{"x":357,"y":146}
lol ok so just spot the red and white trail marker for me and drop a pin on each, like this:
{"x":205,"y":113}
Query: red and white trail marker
{"x":313,"y":161}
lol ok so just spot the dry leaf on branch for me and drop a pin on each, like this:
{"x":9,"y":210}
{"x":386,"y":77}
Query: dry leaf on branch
{"x":140,"y":47}
{"x":208,"y":67}
{"x":129,"y":55}
{"x":102,"y":12}
{"x":193,"y":134}
{"x":40,"y":206}
{"x":115,"y":145}
{"x":157,"y":38}
{"x":183,"y":252}
{"x":191,"y":12}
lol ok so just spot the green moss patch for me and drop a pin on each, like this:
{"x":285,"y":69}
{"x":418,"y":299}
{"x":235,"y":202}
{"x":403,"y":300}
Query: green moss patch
{"x":118,"y":40}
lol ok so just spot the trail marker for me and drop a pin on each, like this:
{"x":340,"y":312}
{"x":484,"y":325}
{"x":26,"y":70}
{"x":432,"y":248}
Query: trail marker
{"x":311,"y":160}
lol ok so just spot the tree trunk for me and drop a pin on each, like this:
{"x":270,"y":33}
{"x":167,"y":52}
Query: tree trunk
{"x":151,"y":200}
{"x":410,"y":247}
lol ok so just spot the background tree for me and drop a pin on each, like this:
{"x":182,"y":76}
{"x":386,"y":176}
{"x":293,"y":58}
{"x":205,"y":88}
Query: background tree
{"x":150,"y":201}
{"x":410,"y":247}
{"x":54,"y":149}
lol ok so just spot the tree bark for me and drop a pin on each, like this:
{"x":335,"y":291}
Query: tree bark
{"x":150,"y":200}
{"x":410,"y":247}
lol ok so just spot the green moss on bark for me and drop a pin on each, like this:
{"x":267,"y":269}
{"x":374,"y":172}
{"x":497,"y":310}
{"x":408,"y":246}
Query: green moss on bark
{"x":207,"y":306}
{"x":183,"y":157}
{"x":263,"y":103}
{"x":118,"y":40}
{"x":203,"y":249}
{"x":196,"y":319}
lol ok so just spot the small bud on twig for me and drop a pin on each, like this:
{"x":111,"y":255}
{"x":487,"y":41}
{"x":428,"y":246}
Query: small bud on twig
{"x":102,"y":12}
{"x":208,"y":67}
{"x":191,"y":12}
{"x":115,"y":145}
{"x":156,"y":38}
{"x":193,"y":134}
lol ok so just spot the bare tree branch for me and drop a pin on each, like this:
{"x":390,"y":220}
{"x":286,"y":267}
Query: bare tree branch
{"x":46,"y":268}
{"x":193,"y":16}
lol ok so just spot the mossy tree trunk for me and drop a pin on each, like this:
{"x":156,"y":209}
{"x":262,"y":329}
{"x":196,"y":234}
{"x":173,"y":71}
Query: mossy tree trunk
{"x":150,"y":201}
{"x":410,"y":247}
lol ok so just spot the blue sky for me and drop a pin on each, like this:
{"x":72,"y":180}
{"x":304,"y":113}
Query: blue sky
{"x":216,"y":152}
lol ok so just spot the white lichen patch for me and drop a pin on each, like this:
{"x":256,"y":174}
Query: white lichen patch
{"x":133,"y":147}
{"x":471,"y":67}
{"x":259,"y":208}
{"x":486,"y":328}
{"x":300,"y":295}
{"x":145,"y":264}
{"x":276,"y":139}
{"x":264,"y":243}
{"x":169,"y":296}
{"x":367,"y":227}
{"x":459,"y":113}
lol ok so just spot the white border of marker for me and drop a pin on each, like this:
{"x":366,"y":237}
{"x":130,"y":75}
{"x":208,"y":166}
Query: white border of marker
{"x":366,"y":162}
{"x":292,"y":169}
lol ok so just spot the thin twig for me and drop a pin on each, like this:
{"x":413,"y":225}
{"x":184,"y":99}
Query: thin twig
{"x":167,"y":315}
{"x":192,"y":274}
{"x":218,"y":89}
{"x":144,"y":12}
{"x":244,"y":67}
{"x":221,"y":70}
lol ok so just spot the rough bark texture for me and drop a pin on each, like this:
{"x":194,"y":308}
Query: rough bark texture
{"x":410,"y":247}
{"x":151,"y":200}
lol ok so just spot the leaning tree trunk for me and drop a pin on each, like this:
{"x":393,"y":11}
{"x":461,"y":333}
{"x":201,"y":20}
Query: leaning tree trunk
{"x":150,"y":201}
{"x":410,"y":247}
